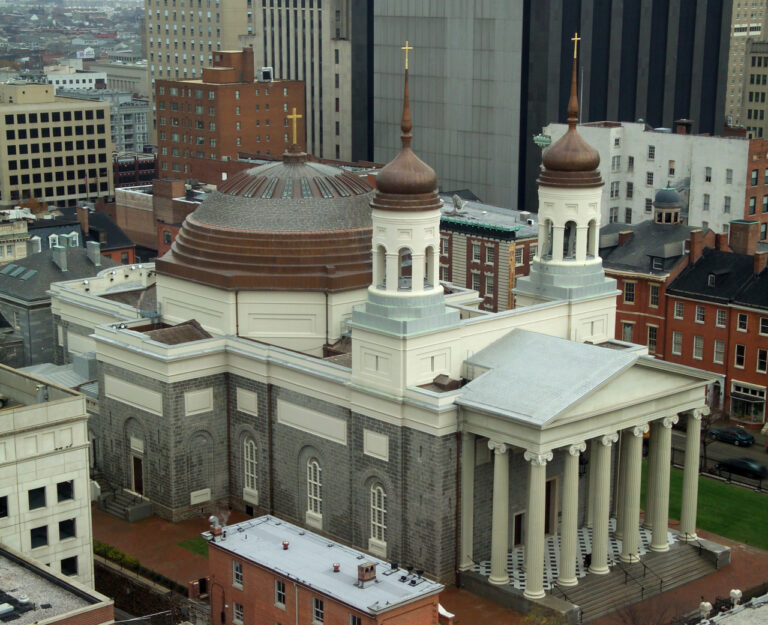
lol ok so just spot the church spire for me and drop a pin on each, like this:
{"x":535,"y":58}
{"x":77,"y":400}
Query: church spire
{"x":405,"y":123}
{"x":573,"y":102}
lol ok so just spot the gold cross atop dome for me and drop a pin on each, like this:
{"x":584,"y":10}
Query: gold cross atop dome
{"x":294,"y":117}
{"x":575,"y":40}
{"x":406,"y":47}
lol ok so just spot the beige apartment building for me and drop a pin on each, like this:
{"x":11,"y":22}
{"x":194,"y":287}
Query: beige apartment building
{"x":755,"y":89}
{"x":13,"y":240}
{"x":124,"y":76}
{"x":55,"y":150}
{"x":747,"y":24}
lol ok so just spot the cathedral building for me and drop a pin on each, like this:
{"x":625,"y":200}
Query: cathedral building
{"x":304,"y":360}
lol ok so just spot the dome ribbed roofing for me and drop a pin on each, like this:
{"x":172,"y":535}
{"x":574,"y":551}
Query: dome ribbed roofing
{"x":291,"y":225}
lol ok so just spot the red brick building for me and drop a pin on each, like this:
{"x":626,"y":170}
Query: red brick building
{"x":266,"y":571}
{"x":203,"y":124}
{"x":717,"y":316}
{"x":756,"y":201}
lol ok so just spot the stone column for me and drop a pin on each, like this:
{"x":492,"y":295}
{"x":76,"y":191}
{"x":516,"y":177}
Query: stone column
{"x":500,"y":518}
{"x":600,"y":536}
{"x":391,"y":271}
{"x":661,"y":500}
{"x":467,"y":500}
{"x":631,"y":515}
{"x":691,"y":474}
{"x":534,"y":526}
{"x":650,"y":483}
{"x":620,"y":493}
{"x":581,"y":243}
{"x":569,"y":525}
{"x":558,"y":233}
{"x":591,"y":485}
{"x":417,"y":272}
{"x":543,"y":240}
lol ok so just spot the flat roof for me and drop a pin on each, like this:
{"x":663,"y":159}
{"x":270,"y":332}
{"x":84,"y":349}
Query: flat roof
{"x":309,"y":561}
{"x":48,"y":596}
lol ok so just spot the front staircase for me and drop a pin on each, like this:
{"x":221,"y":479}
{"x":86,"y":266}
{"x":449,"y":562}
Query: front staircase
{"x":625,"y":585}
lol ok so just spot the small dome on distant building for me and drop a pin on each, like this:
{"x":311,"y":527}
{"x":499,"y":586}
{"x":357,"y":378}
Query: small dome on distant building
{"x":667,"y":206}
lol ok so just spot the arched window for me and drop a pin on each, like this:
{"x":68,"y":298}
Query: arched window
{"x":53,"y":240}
{"x":569,"y":240}
{"x":314,"y":487}
{"x":249,"y":463}
{"x":405,"y":270}
{"x":378,"y":512}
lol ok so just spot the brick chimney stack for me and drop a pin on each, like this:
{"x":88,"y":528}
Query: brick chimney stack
{"x":721,"y":242}
{"x":744,"y":236}
{"x":625,"y":236}
{"x":696,"y":245}
{"x":82,"y":217}
{"x":760,"y":259}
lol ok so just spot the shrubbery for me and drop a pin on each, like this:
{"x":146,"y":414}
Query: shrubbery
{"x":129,"y":562}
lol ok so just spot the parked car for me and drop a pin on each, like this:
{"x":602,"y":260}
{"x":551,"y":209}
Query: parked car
{"x":735,"y":435}
{"x":743,"y":466}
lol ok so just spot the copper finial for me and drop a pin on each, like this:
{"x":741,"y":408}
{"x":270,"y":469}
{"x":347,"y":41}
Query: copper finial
{"x":573,"y":102}
{"x":405,"y":124}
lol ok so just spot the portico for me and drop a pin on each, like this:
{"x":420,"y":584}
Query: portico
{"x":537,"y":419}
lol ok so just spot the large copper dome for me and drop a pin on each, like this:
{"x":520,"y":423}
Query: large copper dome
{"x":291,"y":225}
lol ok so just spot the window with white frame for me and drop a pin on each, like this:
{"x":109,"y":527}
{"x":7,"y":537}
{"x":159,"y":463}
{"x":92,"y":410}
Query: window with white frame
{"x":721,"y":318}
{"x":355,"y":620}
{"x":279,"y":593}
{"x":653,"y":295}
{"x":489,"y":286}
{"x":237,"y":574}
{"x":740,"y":355}
{"x":629,"y":292}
{"x":53,"y":240}
{"x":476,"y":252}
{"x":698,"y":347}
{"x":237,"y":612}
{"x":475,"y":281}
{"x":490,"y":254}
{"x":518,"y":256}
{"x":614,"y":190}
{"x":378,"y":512}
{"x":613,"y":214}
{"x":707,"y":174}
{"x":763,"y":325}
{"x":728,"y":176}
{"x":677,"y":343}
{"x":653,"y":333}
{"x":649,"y":178}
{"x":630,"y":190}
{"x":719,"y":352}
{"x":627,"y":215}
{"x":318,"y":610}
{"x":705,"y":203}
{"x":615,"y":163}
{"x":651,"y":152}
{"x":700,"y":314}
{"x":762,"y":360}
{"x":627,"y":330}
{"x":532,"y":251}
{"x":249,"y":463}
{"x":742,"y":322}
{"x":314,"y":487}
{"x":727,"y":204}
{"x":444,"y":246}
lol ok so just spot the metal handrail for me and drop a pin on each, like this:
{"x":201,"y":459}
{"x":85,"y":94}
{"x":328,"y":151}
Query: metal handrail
{"x":568,"y":599}
{"x":628,"y":576}
{"x":654,"y":573}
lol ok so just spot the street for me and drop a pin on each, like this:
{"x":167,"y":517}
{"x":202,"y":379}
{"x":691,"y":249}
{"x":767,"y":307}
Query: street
{"x":717,"y":450}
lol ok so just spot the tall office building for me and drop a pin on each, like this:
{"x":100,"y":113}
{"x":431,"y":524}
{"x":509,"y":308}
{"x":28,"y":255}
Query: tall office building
{"x":492,"y":75}
{"x":326,"y":45}
{"x":747,"y":25}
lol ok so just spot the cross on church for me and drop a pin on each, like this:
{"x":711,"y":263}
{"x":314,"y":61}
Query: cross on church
{"x":294,"y":117}
{"x":406,"y":47}
{"x":575,"y":40}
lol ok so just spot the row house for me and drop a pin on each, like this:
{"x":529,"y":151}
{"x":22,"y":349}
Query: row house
{"x":717,"y":318}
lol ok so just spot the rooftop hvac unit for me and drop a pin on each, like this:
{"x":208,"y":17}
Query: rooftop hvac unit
{"x":265,"y":74}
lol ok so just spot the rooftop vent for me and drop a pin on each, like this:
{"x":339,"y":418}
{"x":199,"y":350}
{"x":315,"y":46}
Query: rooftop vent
{"x":265,"y":74}
{"x":366,"y":574}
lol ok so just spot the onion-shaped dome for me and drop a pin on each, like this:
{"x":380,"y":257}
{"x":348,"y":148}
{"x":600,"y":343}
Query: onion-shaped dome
{"x":290,"y":225}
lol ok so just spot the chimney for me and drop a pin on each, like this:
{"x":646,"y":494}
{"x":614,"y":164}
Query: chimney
{"x":82,"y":217}
{"x":366,"y":574}
{"x":625,"y":236}
{"x":248,"y":65}
{"x":59,"y":256}
{"x":759,"y":259}
{"x":721,"y":242}
{"x":683,"y":126}
{"x":696,"y":245}
{"x":744,"y":236}
{"x":93,"y":251}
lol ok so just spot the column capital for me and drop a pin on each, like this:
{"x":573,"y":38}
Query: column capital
{"x":576,"y":448}
{"x":698,"y":413}
{"x":497,"y":448}
{"x":538,"y":460}
{"x":668,"y":422}
{"x":609,"y":439}
{"x":639,"y":430}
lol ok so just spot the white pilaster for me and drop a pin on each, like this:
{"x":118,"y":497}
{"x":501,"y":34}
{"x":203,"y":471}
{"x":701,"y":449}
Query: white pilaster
{"x":618,"y":503}
{"x":661,"y":500}
{"x":558,"y":234}
{"x":691,"y":474}
{"x":569,"y":526}
{"x":467,"y":500}
{"x":500,"y":518}
{"x":631,"y":500}
{"x":591,"y":485}
{"x":600,"y":537}
{"x":534,"y":530}
{"x":650,"y":483}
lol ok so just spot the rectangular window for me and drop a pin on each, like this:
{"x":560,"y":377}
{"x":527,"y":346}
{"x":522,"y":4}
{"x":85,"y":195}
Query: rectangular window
{"x":727,"y":204}
{"x":740,"y":356}
{"x":728,"y":176}
{"x":630,"y":163}
{"x":37,"y":498}
{"x":677,"y":343}
{"x":616,"y":163}
{"x":762,"y":360}
{"x":67,"y":529}
{"x":698,"y":347}
{"x":651,"y":152}
{"x":752,"y":205}
{"x":237,"y":574}
{"x":742,"y":322}
{"x":444,"y":246}
{"x":69,"y":566}
{"x":490,"y":254}
{"x":719,"y":353}
{"x":630,"y":190}
{"x":3,"y":507}
{"x":653,"y":297}
{"x":753,"y":177}
{"x":318,"y":610}
{"x":65,"y":490}
{"x":279,"y":593}
{"x":614,"y":190}
{"x":629,"y":292}
{"x":700,"y":314}
{"x":679,"y":309}
{"x":653,"y":332}
{"x":706,"y":202}
{"x":721,"y":318}
{"x":518,"y":256}
{"x":355,"y":620}
{"x":38,"y":536}
{"x":627,"y":331}
{"x":671,"y":168}
{"x":475,"y":281}
{"x":237,"y":612}
{"x":476,"y":252}
{"x":489,"y":286}
{"x":707,"y":174}
{"x":627,"y":215}
{"x":613,"y":215}
{"x":648,"y":205}
{"x":763,"y":325}
{"x":649,"y":178}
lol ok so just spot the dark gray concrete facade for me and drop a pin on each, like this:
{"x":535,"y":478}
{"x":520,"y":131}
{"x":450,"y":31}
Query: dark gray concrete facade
{"x":34,"y":325}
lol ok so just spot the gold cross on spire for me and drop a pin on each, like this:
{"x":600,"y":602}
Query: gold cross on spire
{"x":575,"y":40}
{"x":406,"y":47}
{"x":294,"y":117}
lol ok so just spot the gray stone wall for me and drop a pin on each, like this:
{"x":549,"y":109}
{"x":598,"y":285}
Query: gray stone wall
{"x":34,"y":326}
